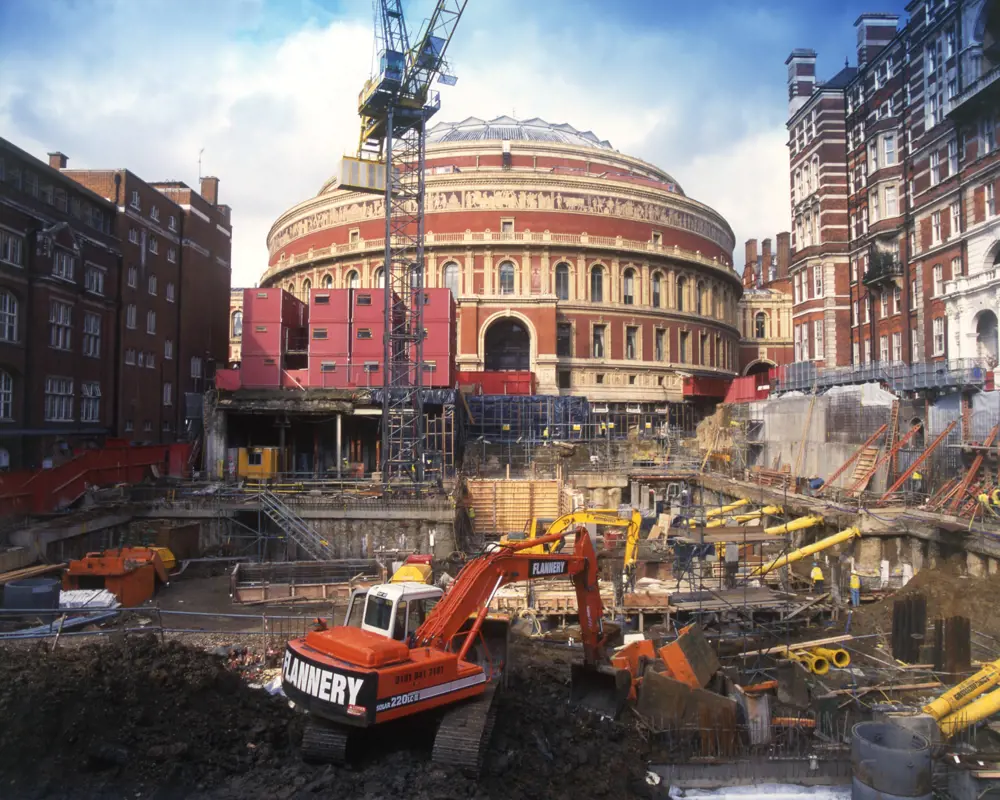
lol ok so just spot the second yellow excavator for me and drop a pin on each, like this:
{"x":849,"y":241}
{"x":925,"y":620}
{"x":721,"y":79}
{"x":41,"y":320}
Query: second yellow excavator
{"x":608,"y":517}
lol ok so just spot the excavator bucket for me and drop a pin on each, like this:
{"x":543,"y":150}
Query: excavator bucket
{"x":601,"y":689}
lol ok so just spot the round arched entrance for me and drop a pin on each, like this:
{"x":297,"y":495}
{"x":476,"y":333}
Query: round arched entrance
{"x":986,"y":338}
{"x":758,"y":368}
{"x":507,"y":345}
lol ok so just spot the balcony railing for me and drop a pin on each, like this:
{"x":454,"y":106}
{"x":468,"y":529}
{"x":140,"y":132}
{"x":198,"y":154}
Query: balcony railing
{"x":983,"y":82}
{"x":969,"y":283}
{"x":619,"y":243}
{"x":804,"y":375}
{"x":883,"y":267}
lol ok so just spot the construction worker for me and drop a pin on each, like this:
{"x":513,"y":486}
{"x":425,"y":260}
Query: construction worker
{"x":855,"y":589}
{"x":817,"y":578}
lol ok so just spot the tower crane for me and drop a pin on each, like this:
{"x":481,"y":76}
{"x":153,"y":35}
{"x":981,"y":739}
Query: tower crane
{"x":394,"y":107}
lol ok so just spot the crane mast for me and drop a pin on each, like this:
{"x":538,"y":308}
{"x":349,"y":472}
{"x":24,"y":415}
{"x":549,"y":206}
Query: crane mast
{"x":394,"y":106}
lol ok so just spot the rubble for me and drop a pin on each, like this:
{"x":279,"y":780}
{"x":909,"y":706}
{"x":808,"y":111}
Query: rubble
{"x":141,"y":718}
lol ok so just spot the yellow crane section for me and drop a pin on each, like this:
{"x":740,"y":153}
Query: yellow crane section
{"x":799,"y":524}
{"x":983,"y":707}
{"x":720,"y":511}
{"x":960,"y":694}
{"x":766,"y":511}
{"x":804,"y":552}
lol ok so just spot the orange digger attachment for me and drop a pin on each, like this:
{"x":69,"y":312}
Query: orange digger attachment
{"x":601,"y":689}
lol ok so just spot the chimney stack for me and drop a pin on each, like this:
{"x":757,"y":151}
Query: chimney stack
{"x":750,"y":268}
{"x":875,"y":31}
{"x":751,"y":252}
{"x":57,"y":160}
{"x":210,"y":189}
{"x":765,"y":260}
{"x":801,"y":78}
{"x":784,"y":254}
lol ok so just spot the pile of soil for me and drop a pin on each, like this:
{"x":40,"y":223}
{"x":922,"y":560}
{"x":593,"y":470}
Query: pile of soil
{"x":948,"y":593}
{"x":147,"y":719}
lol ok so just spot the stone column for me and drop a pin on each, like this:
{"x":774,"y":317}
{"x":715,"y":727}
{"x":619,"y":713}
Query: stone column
{"x":645,"y":292}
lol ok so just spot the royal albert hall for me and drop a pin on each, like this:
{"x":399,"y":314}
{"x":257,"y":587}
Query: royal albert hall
{"x":590,"y":268}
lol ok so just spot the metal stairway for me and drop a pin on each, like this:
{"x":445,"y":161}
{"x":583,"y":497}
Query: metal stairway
{"x":294,"y":527}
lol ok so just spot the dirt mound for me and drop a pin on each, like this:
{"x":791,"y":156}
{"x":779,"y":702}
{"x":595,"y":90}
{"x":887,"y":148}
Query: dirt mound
{"x":146,"y":719}
{"x":948,"y":592}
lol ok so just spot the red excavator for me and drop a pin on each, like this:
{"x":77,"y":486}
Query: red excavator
{"x":447,"y":669}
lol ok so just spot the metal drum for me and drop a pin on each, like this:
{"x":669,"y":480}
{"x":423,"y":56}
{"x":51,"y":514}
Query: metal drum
{"x":32,"y":594}
{"x":889,"y":762}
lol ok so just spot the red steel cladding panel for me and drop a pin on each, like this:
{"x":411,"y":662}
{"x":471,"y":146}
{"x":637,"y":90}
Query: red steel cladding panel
{"x":333,"y":375}
{"x":260,"y":372}
{"x":329,"y":305}
{"x":439,"y":305}
{"x":360,"y":375}
{"x":262,"y":339}
{"x":329,"y":337}
{"x":295,"y":379}
{"x":227,"y":379}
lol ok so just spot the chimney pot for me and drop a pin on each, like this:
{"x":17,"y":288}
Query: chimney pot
{"x":57,"y":160}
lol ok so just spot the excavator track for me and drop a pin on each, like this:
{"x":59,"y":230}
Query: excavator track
{"x":464,"y":734}
{"x":324,"y":744}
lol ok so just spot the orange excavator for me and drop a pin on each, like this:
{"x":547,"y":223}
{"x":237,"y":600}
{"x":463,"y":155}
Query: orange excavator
{"x":447,"y":671}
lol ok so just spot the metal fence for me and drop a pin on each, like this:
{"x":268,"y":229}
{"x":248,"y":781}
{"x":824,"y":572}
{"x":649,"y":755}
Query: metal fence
{"x":805,"y":375}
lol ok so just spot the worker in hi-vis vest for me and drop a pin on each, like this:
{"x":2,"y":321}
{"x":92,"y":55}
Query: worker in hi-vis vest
{"x":817,"y":578}
{"x":855,"y":589}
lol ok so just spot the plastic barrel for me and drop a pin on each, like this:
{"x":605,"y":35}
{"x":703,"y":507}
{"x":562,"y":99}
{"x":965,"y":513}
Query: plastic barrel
{"x":889,"y":762}
{"x":32,"y":593}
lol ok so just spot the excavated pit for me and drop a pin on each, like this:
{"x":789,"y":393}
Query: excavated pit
{"x":142,"y":718}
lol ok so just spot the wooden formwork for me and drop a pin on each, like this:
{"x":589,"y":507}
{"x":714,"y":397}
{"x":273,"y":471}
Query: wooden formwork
{"x":505,"y":506}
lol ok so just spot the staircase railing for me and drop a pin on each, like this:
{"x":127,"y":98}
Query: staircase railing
{"x":295,"y":527}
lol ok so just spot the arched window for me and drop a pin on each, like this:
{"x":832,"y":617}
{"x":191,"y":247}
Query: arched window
{"x":237,"y":330}
{"x":562,"y":281}
{"x":379,"y":279}
{"x":8,"y":317}
{"x":352,"y":281}
{"x":6,"y":395}
{"x":699,"y":300}
{"x":815,"y":173}
{"x":307,"y":286}
{"x":328,"y":281}
{"x":657,"y":279}
{"x":760,"y":325}
{"x":681,"y":291}
{"x":596,"y":284}
{"x":628,"y":287}
{"x":506,"y":278}
{"x":290,"y":288}
{"x":449,"y":277}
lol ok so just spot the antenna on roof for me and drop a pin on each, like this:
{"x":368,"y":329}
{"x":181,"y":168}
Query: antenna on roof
{"x":199,"y":162}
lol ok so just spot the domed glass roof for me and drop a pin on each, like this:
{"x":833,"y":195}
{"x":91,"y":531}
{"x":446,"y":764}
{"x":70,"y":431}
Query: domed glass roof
{"x":474,"y":129}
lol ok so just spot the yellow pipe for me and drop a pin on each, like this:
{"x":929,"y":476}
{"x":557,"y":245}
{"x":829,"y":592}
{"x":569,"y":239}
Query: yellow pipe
{"x":817,"y":664}
{"x":985,"y":706}
{"x":717,"y":512}
{"x":837,"y":656}
{"x":808,"y":550}
{"x":766,"y":511}
{"x":799,"y":524}
{"x":960,"y":694}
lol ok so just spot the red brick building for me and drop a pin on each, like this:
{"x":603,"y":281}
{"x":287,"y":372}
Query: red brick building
{"x":921,"y":167}
{"x":588,"y":267}
{"x":174,"y":294}
{"x":59,"y":272}
{"x":765,"y":309}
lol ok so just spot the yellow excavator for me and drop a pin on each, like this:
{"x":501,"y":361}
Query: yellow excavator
{"x":608,"y":517}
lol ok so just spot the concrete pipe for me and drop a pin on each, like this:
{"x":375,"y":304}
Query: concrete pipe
{"x":837,"y":656}
{"x":889,"y":762}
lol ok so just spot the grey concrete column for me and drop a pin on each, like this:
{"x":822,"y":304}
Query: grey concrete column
{"x":340,"y":456}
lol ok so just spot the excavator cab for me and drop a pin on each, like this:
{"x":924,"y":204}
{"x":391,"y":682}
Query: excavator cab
{"x":392,"y":610}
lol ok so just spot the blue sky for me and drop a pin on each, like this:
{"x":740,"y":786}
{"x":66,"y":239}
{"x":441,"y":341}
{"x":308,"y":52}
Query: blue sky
{"x":268,"y":88}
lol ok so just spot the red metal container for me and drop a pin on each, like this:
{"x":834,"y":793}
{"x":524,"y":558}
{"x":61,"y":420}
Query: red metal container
{"x":274,"y":305}
{"x":262,"y":339}
{"x":698,"y":386}
{"x":329,"y":337}
{"x":439,"y":305}
{"x":329,"y":305}
{"x":295,"y":379}
{"x":328,"y":371}
{"x":366,"y":373}
{"x":367,"y":340}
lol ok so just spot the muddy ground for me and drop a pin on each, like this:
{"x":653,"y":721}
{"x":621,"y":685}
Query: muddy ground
{"x":140,"y":718}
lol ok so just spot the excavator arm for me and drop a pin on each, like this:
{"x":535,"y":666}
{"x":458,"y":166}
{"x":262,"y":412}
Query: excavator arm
{"x":471,"y":593}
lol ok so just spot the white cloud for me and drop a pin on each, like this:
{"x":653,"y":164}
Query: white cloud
{"x":274,"y":114}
